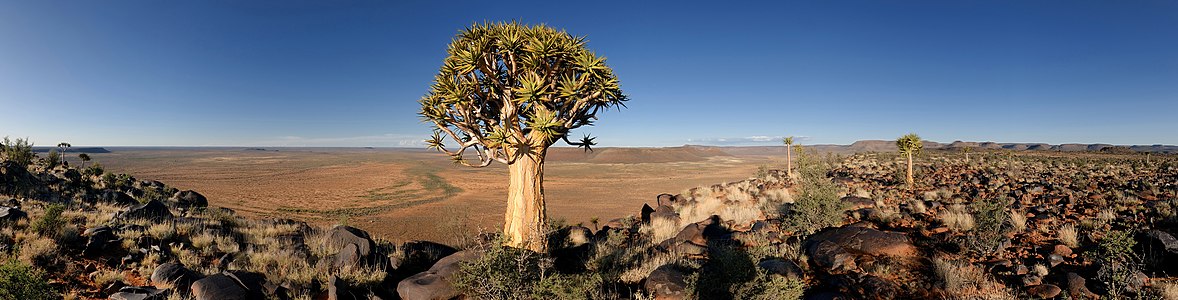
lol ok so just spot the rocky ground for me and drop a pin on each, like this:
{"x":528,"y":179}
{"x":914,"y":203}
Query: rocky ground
{"x":999,"y":226}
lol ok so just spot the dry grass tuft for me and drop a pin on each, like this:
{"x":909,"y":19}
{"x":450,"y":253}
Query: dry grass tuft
{"x":966,"y":281}
{"x":958,"y":220}
{"x":1167,"y":290}
{"x":1068,"y":236}
{"x":1018,"y":219}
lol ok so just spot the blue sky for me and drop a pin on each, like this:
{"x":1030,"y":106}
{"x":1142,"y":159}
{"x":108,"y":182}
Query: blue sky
{"x":348,"y":73}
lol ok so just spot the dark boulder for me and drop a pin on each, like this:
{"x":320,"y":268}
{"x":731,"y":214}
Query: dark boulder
{"x":189,"y":199}
{"x":140,"y":293}
{"x":175,"y":276}
{"x":116,"y":197}
{"x":347,"y":257}
{"x":1077,"y":287}
{"x":340,"y":236}
{"x":1161,"y":247}
{"x":1046,"y":291}
{"x":783,"y":267}
{"x":420,"y":256}
{"x":230,"y":285}
{"x":646,"y":211}
{"x":11,"y":214}
{"x":97,"y":240}
{"x":434,"y":283}
{"x":337,"y":289}
{"x":667,"y":283}
{"x":152,"y":210}
{"x":837,"y":249}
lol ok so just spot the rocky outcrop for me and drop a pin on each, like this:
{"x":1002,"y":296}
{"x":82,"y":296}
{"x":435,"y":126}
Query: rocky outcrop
{"x":434,"y":284}
{"x":189,"y":199}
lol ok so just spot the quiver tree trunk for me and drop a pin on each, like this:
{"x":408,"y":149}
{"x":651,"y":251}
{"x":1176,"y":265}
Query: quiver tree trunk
{"x":526,"y":215}
{"x":910,"y":171}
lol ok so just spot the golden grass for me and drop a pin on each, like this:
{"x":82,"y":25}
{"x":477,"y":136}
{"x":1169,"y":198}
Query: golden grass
{"x":966,"y":281}
{"x":1018,"y":220}
{"x":1068,"y":236}
{"x":958,"y":220}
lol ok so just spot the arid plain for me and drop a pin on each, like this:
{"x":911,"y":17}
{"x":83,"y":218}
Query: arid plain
{"x":403,"y":194}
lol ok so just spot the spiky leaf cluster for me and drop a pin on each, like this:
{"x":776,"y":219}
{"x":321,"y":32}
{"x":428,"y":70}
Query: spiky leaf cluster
{"x":909,"y":144}
{"x":507,"y":88}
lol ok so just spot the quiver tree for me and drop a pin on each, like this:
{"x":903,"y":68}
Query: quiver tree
{"x":85,"y":158}
{"x":63,"y":146}
{"x":789,"y":161}
{"x":909,"y":144}
{"x":508,"y":91}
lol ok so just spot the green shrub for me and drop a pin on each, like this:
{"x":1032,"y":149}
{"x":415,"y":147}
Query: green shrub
{"x":502,"y":273}
{"x":94,"y":170}
{"x":989,"y":225}
{"x":53,"y":159}
{"x":730,"y":273}
{"x":1118,"y":265}
{"x":19,"y":151}
{"x":50,"y":223}
{"x":817,"y":205}
{"x":21,"y":281}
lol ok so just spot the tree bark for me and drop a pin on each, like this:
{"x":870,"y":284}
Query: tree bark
{"x":910,"y":170}
{"x":789,"y":161}
{"x":526,"y":215}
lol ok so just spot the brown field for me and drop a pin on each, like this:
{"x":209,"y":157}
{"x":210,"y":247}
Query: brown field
{"x":403,"y":194}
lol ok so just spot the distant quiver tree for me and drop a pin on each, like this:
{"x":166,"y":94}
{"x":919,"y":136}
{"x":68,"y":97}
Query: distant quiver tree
{"x":909,"y":145}
{"x":789,"y":161}
{"x":505,"y":93}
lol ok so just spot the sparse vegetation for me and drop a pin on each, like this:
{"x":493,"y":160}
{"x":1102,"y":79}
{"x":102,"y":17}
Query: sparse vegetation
{"x":21,"y":281}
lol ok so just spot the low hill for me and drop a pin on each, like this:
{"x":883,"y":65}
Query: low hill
{"x":635,"y":155}
{"x":91,"y":150}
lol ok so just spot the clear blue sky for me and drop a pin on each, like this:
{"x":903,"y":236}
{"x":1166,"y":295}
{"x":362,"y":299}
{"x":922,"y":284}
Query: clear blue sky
{"x":324,"y":73}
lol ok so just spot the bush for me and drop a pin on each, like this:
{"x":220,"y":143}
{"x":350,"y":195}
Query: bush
{"x":1118,"y":265}
{"x":989,"y":225}
{"x":53,"y":159}
{"x":502,"y":273}
{"x":19,"y":151}
{"x":730,"y":273}
{"x":50,"y":223}
{"x":21,"y":281}
{"x":817,"y":205}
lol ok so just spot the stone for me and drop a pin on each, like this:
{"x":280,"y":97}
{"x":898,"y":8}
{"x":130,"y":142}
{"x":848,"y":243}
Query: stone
{"x":337,"y":289}
{"x":783,"y":267}
{"x":112,"y":196}
{"x":189,"y":199}
{"x":667,"y":283}
{"x":1054,"y":260}
{"x":140,"y":293}
{"x":1046,"y":291}
{"x":1032,"y":280}
{"x":227,"y":286}
{"x":646,"y":211}
{"x":837,"y":248}
{"x":1062,"y":250}
{"x":98,"y":238}
{"x":152,"y":210}
{"x":340,"y":236}
{"x":174,"y":275}
{"x":434,"y":284}
{"x":348,"y":257}
{"x":1077,"y":287}
{"x":12,"y":214}
{"x":855,"y":203}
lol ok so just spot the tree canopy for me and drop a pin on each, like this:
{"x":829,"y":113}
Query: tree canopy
{"x":508,"y":89}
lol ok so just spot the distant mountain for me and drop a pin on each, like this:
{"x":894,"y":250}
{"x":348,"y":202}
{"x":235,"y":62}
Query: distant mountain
{"x":635,"y":155}
{"x":90,"y":150}
{"x":890,"y":146}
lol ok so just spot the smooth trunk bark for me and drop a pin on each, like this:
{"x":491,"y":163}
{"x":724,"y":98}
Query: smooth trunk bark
{"x":909,"y":170}
{"x":526,"y":215}
{"x":789,"y":162}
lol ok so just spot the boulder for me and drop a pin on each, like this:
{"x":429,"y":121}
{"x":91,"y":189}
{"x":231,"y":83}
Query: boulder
{"x":420,"y":256}
{"x":667,"y":283}
{"x":837,"y":249}
{"x":1077,"y":287}
{"x":11,"y":214}
{"x":646,"y":211}
{"x":189,"y":199}
{"x":340,"y":236}
{"x":783,"y":267}
{"x":230,"y":285}
{"x":112,"y":196}
{"x":140,"y":293}
{"x":434,"y":284}
{"x":854,"y":203}
{"x":98,"y":238}
{"x":152,"y":210}
{"x":174,"y":275}
{"x":1046,"y":291}
{"x":347,"y":257}
{"x":337,"y":289}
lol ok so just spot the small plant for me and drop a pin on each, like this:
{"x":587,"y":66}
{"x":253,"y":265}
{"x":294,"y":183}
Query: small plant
{"x":965,"y":281}
{"x":53,"y":159}
{"x":19,"y":151}
{"x":1068,"y":236}
{"x":21,"y":281}
{"x":51,"y":222}
{"x":501,"y":273}
{"x":990,"y":217}
{"x":960,"y":221}
{"x":1018,"y":220}
{"x":817,"y":205}
{"x":1118,"y":265}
